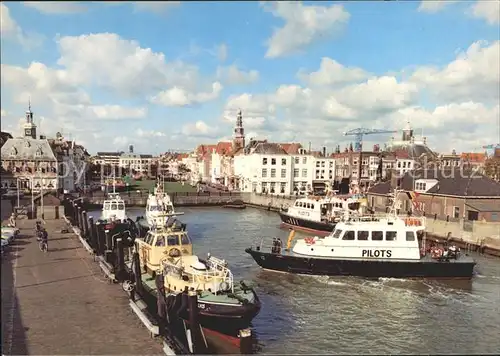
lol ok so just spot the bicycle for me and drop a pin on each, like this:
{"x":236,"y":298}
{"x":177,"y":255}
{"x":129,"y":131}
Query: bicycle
{"x":43,"y":246}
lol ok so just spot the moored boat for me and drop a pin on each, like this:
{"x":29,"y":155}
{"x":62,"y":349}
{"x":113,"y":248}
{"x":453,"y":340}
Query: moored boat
{"x":367,"y":246}
{"x":168,"y":252}
{"x":235,"y":204}
{"x":318,"y":215}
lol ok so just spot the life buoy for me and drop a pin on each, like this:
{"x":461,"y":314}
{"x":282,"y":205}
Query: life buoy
{"x":224,"y":286}
{"x":309,"y":240}
{"x":175,"y":252}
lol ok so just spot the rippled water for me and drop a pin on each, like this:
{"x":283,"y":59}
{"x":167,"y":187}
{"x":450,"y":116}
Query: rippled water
{"x":302,"y":314}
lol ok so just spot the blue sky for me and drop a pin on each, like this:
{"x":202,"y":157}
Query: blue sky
{"x":95,"y":84}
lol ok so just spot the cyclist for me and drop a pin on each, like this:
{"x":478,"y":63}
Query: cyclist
{"x":38,"y":229}
{"x":12,"y":220}
{"x":44,"y":238}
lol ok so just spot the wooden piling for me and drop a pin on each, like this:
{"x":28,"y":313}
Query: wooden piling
{"x":245,"y":336}
{"x":108,"y":253}
{"x":199,"y":346}
{"x":136,"y":264}
{"x":92,"y":235}
{"x":80,"y":218}
{"x":120,"y":260}
{"x":100,"y":237}
{"x":85,"y":221}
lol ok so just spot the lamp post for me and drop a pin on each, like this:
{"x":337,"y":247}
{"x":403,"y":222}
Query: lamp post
{"x":18,"y":192}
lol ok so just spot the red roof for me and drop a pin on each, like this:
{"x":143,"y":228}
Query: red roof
{"x":291,"y":148}
{"x":223,"y":148}
{"x":473,"y":157}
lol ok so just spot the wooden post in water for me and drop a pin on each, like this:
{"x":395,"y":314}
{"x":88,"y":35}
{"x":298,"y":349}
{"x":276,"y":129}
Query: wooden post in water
{"x":120,"y":260}
{"x":85,"y":225}
{"x":101,"y":238}
{"x":245,"y":336}
{"x":194,"y":324}
{"x":136,"y":263}
{"x":74,"y":212}
{"x":92,"y":234}
{"x":109,"y":243}
{"x":80,"y":218}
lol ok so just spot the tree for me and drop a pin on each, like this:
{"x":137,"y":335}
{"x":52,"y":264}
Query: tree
{"x":492,"y":168}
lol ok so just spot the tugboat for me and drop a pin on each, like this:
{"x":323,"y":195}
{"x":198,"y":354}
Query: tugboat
{"x":318,"y":215}
{"x":168,"y":250}
{"x":367,"y":246}
{"x":114,"y":216}
{"x":159,"y":207}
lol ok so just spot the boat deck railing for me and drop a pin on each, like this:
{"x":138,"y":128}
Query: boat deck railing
{"x":408,"y":220}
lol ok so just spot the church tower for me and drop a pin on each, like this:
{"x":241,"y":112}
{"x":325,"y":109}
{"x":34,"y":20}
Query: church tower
{"x":407,"y":132}
{"x":239,"y":133}
{"x":29,"y":127}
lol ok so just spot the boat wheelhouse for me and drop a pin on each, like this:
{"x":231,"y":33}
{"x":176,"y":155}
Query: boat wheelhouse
{"x":367,"y":246}
{"x":319,"y":214}
{"x":168,"y":252}
{"x":113,"y":208}
{"x":158,"y":206}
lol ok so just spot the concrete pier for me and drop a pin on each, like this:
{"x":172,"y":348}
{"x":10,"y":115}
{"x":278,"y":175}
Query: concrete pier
{"x":60,"y":303}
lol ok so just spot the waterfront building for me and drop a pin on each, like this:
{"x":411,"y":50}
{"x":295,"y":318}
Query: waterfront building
{"x":33,"y":162}
{"x":137,"y":163}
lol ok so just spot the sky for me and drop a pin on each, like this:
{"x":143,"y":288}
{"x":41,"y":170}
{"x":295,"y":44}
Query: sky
{"x":172,"y":75}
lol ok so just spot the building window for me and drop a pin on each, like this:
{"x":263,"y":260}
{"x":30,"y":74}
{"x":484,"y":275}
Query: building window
{"x":304,"y":173}
{"x":295,"y":173}
{"x":297,"y":160}
{"x":264,"y":161}
{"x":283,"y":173}
{"x":273,"y":173}
{"x":273,"y":161}
{"x":456,"y":212}
{"x":304,"y":160}
{"x":331,"y":164}
{"x":282,"y":187}
{"x":494,"y":217}
{"x":264,"y":172}
{"x":283,"y":161}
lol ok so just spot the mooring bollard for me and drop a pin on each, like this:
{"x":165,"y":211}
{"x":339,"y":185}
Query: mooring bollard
{"x":109,"y":243}
{"x":75,"y":214}
{"x":80,"y":218}
{"x":85,"y":225}
{"x":194,"y":324}
{"x":245,"y":336}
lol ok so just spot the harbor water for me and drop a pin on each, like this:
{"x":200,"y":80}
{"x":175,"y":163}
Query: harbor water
{"x":345,"y":315}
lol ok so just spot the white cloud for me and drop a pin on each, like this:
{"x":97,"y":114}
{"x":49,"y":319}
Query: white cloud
{"x":10,"y":30}
{"x":3,"y":113}
{"x":177,"y":96}
{"x":222,"y":52}
{"x":473,"y":75}
{"x":331,"y":72}
{"x":432,"y":7}
{"x":56,"y":7}
{"x":488,"y":10}
{"x":232,"y":75}
{"x":304,"y":25}
{"x":200,"y":129}
{"x":149,"y":134}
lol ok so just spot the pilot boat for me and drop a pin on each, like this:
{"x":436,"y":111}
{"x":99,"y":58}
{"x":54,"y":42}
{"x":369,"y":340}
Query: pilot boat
{"x":158,"y":206}
{"x":113,"y":208}
{"x":367,"y":246}
{"x":168,"y":250}
{"x":318,"y":215}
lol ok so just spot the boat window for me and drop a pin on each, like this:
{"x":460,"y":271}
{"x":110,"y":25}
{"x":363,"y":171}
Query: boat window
{"x":149,"y":239}
{"x":337,"y":234}
{"x":185,"y":239}
{"x":349,"y":235}
{"x":106,"y":206}
{"x":296,"y":203}
{"x":172,"y":240}
{"x":312,"y":206}
{"x":308,"y":205}
{"x":390,"y":235}
{"x":410,"y":236}
{"x":121,"y":206}
{"x":377,"y":235}
{"x":363,"y":235}
{"x":353,"y":206}
{"x":113,"y":206}
{"x":160,"y":241}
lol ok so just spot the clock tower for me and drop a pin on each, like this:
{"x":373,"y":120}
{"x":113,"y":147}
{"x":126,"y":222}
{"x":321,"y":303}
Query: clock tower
{"x":29,"y":127}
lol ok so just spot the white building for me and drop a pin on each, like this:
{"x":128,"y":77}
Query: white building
{"x":139,"y":163}
{"x":266,"y":167}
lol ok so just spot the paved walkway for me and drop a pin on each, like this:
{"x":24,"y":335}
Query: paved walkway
{"x":59,"y":303}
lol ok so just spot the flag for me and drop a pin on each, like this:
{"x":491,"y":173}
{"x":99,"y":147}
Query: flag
{"x":413,"y":196}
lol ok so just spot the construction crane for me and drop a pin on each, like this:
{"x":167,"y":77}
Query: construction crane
{"x":360,"y":132}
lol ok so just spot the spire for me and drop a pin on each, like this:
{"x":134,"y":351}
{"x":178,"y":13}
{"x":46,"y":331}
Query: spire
{"x":239,"y":132}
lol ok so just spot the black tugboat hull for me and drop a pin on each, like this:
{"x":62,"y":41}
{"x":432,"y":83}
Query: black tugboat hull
{"x":306,"y":225}
{"x":425,"y":268}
